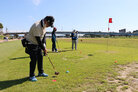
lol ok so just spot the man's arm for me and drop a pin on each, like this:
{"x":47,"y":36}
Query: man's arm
{"x":40,"y":42}
{"x":44,"y":39}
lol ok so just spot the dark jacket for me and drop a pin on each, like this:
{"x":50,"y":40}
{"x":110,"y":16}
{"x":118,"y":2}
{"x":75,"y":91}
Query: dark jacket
{"x":73,"y":36}
{"x":53,"y":36}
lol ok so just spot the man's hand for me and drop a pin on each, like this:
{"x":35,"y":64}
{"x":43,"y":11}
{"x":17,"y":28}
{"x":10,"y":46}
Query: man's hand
{"x":45,"y":52}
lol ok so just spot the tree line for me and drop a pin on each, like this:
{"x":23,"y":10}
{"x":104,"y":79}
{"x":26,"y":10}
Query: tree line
{"x":1,"y":26}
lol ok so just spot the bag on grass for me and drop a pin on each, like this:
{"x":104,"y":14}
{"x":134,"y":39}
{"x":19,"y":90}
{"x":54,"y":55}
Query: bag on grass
{"x":24,"y":42}
{"x":27,"y":50}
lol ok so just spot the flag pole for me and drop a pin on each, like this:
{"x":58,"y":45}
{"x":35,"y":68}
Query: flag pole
{"x":107,"y":37}
{"x":110,"y":21}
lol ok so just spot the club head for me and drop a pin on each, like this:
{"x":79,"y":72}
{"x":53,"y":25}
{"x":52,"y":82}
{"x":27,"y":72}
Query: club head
{"x":56,"y":73}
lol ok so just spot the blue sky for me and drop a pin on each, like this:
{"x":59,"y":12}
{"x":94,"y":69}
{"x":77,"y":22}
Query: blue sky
{"x":82,"y":15}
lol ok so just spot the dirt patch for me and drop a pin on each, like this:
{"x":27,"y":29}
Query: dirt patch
{"x":127,"y":80}
{"x":8,"y":40}
{"x":2,"y":41}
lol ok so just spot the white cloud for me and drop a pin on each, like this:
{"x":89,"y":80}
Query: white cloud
{"x":36,"y":2}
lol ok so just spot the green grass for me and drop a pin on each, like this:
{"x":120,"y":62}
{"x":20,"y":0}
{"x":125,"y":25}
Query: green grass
{"x":88,"y":67}
{"x":124,"y":88}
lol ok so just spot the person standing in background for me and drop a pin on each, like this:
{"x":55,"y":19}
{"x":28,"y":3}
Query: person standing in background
{"x":76,"y":41}
{"x":54,"y":40}
{"x":74,"y":36}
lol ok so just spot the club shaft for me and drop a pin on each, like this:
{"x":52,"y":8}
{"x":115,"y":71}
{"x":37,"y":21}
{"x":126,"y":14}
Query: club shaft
{"x":57,"y":45}
{"x":51,"y":62}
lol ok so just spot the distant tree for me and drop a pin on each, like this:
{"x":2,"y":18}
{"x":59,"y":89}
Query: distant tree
{"x":1,"y":26}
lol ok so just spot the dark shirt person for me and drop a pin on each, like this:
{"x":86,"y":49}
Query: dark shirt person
{"x":54,"y":40}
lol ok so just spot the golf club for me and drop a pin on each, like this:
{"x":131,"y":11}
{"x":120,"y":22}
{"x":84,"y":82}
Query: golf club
{"x":56,"y":73}
{"x":57,"y":45}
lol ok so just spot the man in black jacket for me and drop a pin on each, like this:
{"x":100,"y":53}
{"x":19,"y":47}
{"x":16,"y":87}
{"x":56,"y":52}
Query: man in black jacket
{"x":54,"y":40}
{"x":36,"y":43}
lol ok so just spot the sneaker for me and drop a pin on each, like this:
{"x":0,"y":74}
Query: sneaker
{"x":56,"y":51}
{"x":32,"y":79}
{"x":43,"y":74}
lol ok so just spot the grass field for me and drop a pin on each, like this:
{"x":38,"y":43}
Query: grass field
{"x":89,"y":66}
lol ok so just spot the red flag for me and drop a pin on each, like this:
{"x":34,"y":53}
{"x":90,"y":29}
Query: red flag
{"x":110,"y":20}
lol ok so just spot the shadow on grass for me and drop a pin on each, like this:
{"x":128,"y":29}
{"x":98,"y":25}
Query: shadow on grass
{"x":59,"y":51}
{"x":90,"y":54}
{"x":19,"y":58}
{"x":10,"y":83}
{"x":48,"y":52}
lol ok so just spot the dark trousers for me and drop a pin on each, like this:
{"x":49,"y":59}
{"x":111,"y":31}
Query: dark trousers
{"x":54,"y":46}
{"x":36,"y":57}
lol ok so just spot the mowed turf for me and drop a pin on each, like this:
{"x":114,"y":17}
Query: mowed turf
{"x":89,"y":66}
